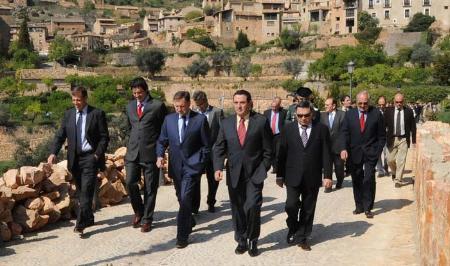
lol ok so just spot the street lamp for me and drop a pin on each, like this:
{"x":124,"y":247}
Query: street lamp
{"x":350,"y":68}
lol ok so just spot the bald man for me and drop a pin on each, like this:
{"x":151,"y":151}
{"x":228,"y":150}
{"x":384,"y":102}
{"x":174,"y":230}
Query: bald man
{"x":363,"y":137}
{"x":276,"y":116}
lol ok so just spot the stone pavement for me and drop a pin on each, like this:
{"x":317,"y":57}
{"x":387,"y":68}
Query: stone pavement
{"x":339,"y":237}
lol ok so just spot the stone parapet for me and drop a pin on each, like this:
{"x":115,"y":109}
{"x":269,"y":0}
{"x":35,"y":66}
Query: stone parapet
{"x":432,"y":188}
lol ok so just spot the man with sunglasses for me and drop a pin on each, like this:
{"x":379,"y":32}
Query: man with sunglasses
{"x":303,"y":153}
{"x":363,"y":137}
{"x":401,"y":129}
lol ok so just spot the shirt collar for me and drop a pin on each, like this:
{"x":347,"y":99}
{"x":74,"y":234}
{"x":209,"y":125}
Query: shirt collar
{"x":245,"y":117}
{"x":187,"y":115}
{"x":143,"y":102}
{"x":300,"y":126}
{"x":84,"y":110}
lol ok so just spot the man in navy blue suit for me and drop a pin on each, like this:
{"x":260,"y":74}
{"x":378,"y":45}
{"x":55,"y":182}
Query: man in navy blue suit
{"x":187,"y":134}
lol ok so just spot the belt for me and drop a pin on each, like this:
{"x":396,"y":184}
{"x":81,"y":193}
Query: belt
{"x":402,"y":136}
{"x":84,"y":153}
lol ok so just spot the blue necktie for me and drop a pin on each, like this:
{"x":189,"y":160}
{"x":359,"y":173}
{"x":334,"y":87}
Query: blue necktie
{"x":183,"y":128}
{"x":79,"y":130}
{"x":331,"y":119}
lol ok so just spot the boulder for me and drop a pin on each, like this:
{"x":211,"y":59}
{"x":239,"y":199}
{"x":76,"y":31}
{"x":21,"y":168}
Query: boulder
{"x":54,"y":216}
{"x":119,"y":187}
{"x":120,"y":153}
{"x":11,"y":178}
{"x":5,"y":232}
{"x":119,"y":163}
{"x":52,"y":195}
{"x":30,"y":175}
{"x":112,"y":176}
{"x":48,"y":207}
{"x":41,"y":222}
{"x":34,"y":204}
{"x":109,"y":157}
{"x":2,"y":183}
{"x":15,"y":228}
{"x":121,"y":176}
{"x":24,"y":192}
{"x":5,"y":215}
{"x":60,"y":173}
{"x":46,"y":168}
{"x":51,"y":184}
{"x":27,"y":218}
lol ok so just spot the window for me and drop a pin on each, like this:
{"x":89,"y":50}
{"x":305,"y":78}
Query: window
{"x":374,"y":15}
{"x":270,"y":16}
{"x":406,"y":2}
{"x":386,"y":14}
{"x":427,"y":11}
{"x":350,"y":12}
{"x":387,"y":3}
{"x":427,"y":2}
{"x":270,"y":23}
{"x":407,"y":13}
{"x":338,"y":18}
{"x":370,"y":3}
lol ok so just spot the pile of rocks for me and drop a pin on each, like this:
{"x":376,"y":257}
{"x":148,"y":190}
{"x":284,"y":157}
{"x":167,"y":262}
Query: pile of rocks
{"x":32,"y":197}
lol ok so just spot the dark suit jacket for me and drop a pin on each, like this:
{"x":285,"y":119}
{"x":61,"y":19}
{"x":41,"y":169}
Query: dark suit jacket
{"x":215,"y":118}
{"x":297,"y":163}
{"x":335,"y":129}
{"x":144,"y":132}
{"x":190,"y":155}
{"x":366,"y":146}
{"x":409,"y":121}
{"x":96,"y":134}
{"x":254,"y":157}
{"x":281,"y":118}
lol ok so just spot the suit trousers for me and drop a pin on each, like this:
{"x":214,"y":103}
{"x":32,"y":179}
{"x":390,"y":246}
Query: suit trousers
{"x":185,"y":187}
{"x":382,"y":165}
{"x":143,"y":208}
{"x":339,"y":168}
{"x":246,"y":201}
{"x":276,"y":143}
{"x":85,"y":176}
{"x":364,"y":185}
{"x":213,"y":185}
{"x":300,"y":214}
{"x":397,"y":157}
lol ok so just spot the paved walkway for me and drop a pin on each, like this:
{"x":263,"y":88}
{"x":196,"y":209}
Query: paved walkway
{"x":339,"y":237}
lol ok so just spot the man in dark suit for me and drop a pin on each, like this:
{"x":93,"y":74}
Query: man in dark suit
{"x":303,"y":153}
{"x":346,"y":103}
{"x":145,"y":116}
{"x":382,"y":166}
{"x":276,"y":116}
{"x":214,"y":116}
{"x":333,"y":120}
{"x":401,"y":130}
{"x":363,"y":137}
{"x":245,"y":139}
{"x":85,"y":129}
{"x":186,"y":133}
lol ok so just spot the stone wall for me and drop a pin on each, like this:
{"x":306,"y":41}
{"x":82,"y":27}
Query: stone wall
{"x":432,"y":187}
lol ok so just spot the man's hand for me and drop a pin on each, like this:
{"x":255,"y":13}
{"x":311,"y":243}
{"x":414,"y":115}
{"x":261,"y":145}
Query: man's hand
{"x":51,"y":159}
{"x":344,"y":155}
{"x":160,"y":162}
{"x":327,"y":183}
{"x":280,"y":182}
{"x":218,"y":175}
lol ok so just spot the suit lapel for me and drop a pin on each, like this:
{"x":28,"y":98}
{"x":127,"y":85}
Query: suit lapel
{"x":311,"y":135}
{"x":146,"y":107}
{"x":233,"y":128}
{"x":211,"y":115}
{"x":192,"y":114}
{"x":133,"y":109}
{"x":88,"y":119}
{"x":251,"y":121}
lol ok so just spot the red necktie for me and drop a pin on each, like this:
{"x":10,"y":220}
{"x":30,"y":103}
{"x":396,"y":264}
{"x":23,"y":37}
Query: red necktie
{"x":139,"y":110}
{"x":241,"y":131}
{"x":362,"y":122}
{"x":274,"y":123}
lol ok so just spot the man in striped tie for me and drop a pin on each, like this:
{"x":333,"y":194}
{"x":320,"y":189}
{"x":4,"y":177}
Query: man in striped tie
{"x":245,"y":139}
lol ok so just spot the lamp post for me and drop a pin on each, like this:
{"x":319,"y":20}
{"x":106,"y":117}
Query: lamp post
{"x":350,"y":68}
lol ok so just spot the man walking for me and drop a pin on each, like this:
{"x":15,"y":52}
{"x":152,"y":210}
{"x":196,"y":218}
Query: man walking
{"x":362,"y":140}
{"x":382,"y":166}
{"x":85,"y":129}
{"x":186,"y":134}
{"x":303,"y":154}
{"x":145,"y":116}
{"x":401,"y":129}
{"x":245,"y":139}
{"x":214,"y":116}
{"x":333,"y":120}
{"x":276,"y":115}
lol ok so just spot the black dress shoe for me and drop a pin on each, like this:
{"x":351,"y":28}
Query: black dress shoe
{"x":369,"y":214}
{"x":182,"y":243}
{"x":241,"y":248}
{"x":78,"y":230}
{"x":136,"y":221}
{"x":304,"y":245}
{"x":327,"y":190}
{"x":253,"y":248}
{"x":211,"y":209}
{"x":146,"y":227}
{"x":357,"y":211}
{"x":193,"y":222}
{"x":194,"y":211}
{"x":290,"y":239}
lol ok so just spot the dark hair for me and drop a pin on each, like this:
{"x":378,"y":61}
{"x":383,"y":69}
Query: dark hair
{"x":199,"y":96}
{"x":343,"y":97}
{"x":381,"y":97}
{"x":139,"y":83}
{"x":79,"y":89}
{"x":333,"y":100}
{"x":244,"y":92}
{"x":305,"y":104}
{"x":182,"y":95}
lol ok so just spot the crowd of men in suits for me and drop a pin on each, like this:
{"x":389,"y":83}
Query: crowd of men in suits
{"x":302,"y":146}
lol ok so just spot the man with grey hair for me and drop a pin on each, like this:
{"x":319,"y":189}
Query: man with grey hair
{"x":363,"y":137}
{"x":276,"y":116}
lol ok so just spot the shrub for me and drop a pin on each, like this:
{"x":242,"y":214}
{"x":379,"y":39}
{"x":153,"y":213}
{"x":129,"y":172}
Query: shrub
{"x":291,"y":85}
{"x":419,"y":22}
{"x":242,"y":41}
{"x":151,"y":60}
{"x":290,"y":40}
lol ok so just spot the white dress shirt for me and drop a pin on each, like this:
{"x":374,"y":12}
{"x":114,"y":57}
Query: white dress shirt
{"x":402,"y":120}
{"x":85,"y":147}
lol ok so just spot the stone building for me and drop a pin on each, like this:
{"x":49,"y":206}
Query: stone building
{"x":5,"y":21}
{"x":38,"y":35}
{"x":87,"y":41}
{"x":105,"y":26}
{"x":170,"y":22}
{"x":150,"y":23}
{"x":65,"y":26}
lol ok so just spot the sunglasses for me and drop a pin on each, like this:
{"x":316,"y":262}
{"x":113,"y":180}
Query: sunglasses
{"x":363,"y":103}
{"x":305,"y":115}
{"x":398,"y":101}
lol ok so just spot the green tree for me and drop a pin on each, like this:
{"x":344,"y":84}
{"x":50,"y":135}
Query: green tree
{"x":142,"y":13}
{"x":49,"y":82}
{"x":444,"y":44}
{"x":24,"y":58}
{"x":26,"y":155}
{"x":33,"y":110}
{"x":293,"y":66}
{"x":4,"y":115}
{"x":8,"y":86}
{"x":442,"y":69}
{"x":290,"y":39}
{"x":291,"y":85}
{"x":403,"y":55}
{"x":243,"y":67}
{"x":368,"y":30}
{"x":209,"y":10}
{"x":365,"y":21}
{"x":200,"y":36}
{"x":88,"y":7}
{"x":221,"y":62}
{"x":60,"y":50}
{"x":419,"y":22}
{"x":24,"y":40}
{"x":151,"y":60}
{"x":193,"y":15}
{"x":242,"y":41}
{"x":197,"y":68}
{"x":421,"y":54}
